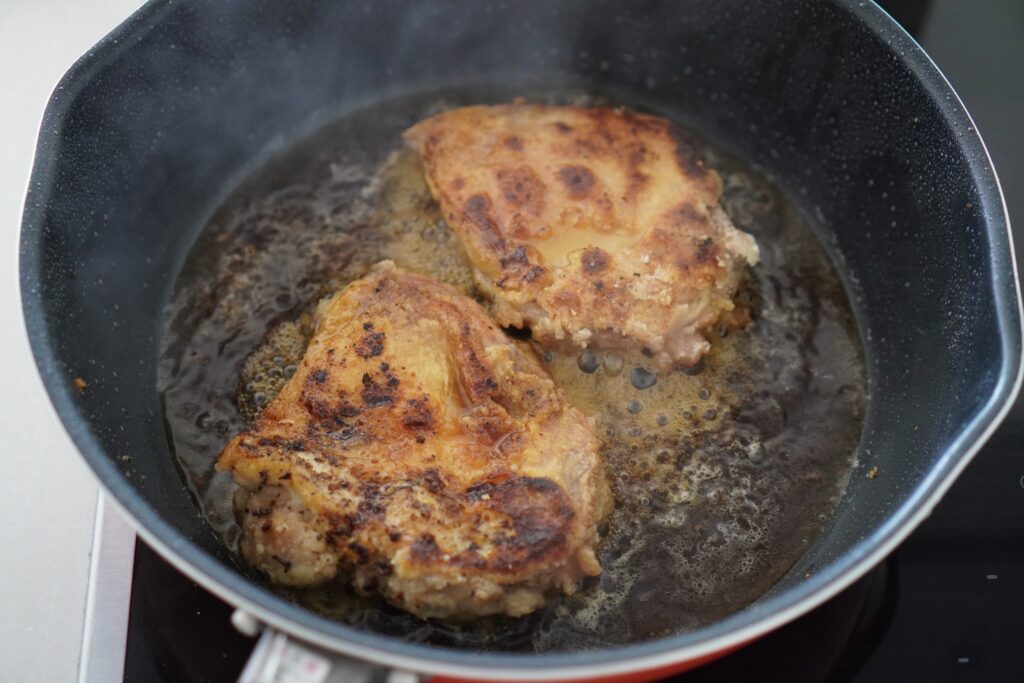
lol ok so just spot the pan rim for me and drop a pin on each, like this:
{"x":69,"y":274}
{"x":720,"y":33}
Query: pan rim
{"x":390,"y":651}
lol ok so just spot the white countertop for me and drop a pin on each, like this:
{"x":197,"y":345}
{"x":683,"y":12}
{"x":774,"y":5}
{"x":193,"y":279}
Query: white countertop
{"x":47,"y":496}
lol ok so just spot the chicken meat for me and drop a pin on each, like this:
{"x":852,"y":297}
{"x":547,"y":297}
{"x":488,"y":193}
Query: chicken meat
{"x":421,"y":454}
{"x":592,"y":227}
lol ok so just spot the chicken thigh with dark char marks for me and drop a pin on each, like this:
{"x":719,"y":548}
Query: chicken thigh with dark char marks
{"x":420,"y":453}
{"x":591,"y":227}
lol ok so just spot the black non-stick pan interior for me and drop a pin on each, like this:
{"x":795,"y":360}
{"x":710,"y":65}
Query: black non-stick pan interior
{"x":154,"y":126}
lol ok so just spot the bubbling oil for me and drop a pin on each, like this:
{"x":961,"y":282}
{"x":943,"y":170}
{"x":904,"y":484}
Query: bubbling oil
{"x":723,"y":474}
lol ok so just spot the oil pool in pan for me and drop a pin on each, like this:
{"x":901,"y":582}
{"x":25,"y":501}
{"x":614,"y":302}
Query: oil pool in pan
{"x":723,"y":474}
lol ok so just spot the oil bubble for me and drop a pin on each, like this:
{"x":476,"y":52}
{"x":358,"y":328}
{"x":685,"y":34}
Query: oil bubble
{"x":588,"y":361}
{"x":613,"y":363}
{"x":642,"y":378}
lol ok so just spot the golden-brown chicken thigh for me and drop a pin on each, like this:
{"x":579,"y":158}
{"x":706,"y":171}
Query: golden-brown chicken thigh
{"x":592,"y":227}
{"x":420,"y":453}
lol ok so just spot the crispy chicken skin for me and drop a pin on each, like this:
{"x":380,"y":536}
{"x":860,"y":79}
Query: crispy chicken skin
{"x":592,"y":227}
{"x":420,"y":453}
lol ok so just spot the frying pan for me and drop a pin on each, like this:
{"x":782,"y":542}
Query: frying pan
{"x":151,"y":128}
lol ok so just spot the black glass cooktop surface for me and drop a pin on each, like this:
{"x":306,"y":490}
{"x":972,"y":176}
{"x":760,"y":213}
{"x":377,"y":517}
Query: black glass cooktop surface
{"x":948,"y":605}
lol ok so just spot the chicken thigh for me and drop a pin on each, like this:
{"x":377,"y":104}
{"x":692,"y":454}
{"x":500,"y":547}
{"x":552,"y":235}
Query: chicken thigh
{"x":420,"y":453}
{"x":592,"y":227}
